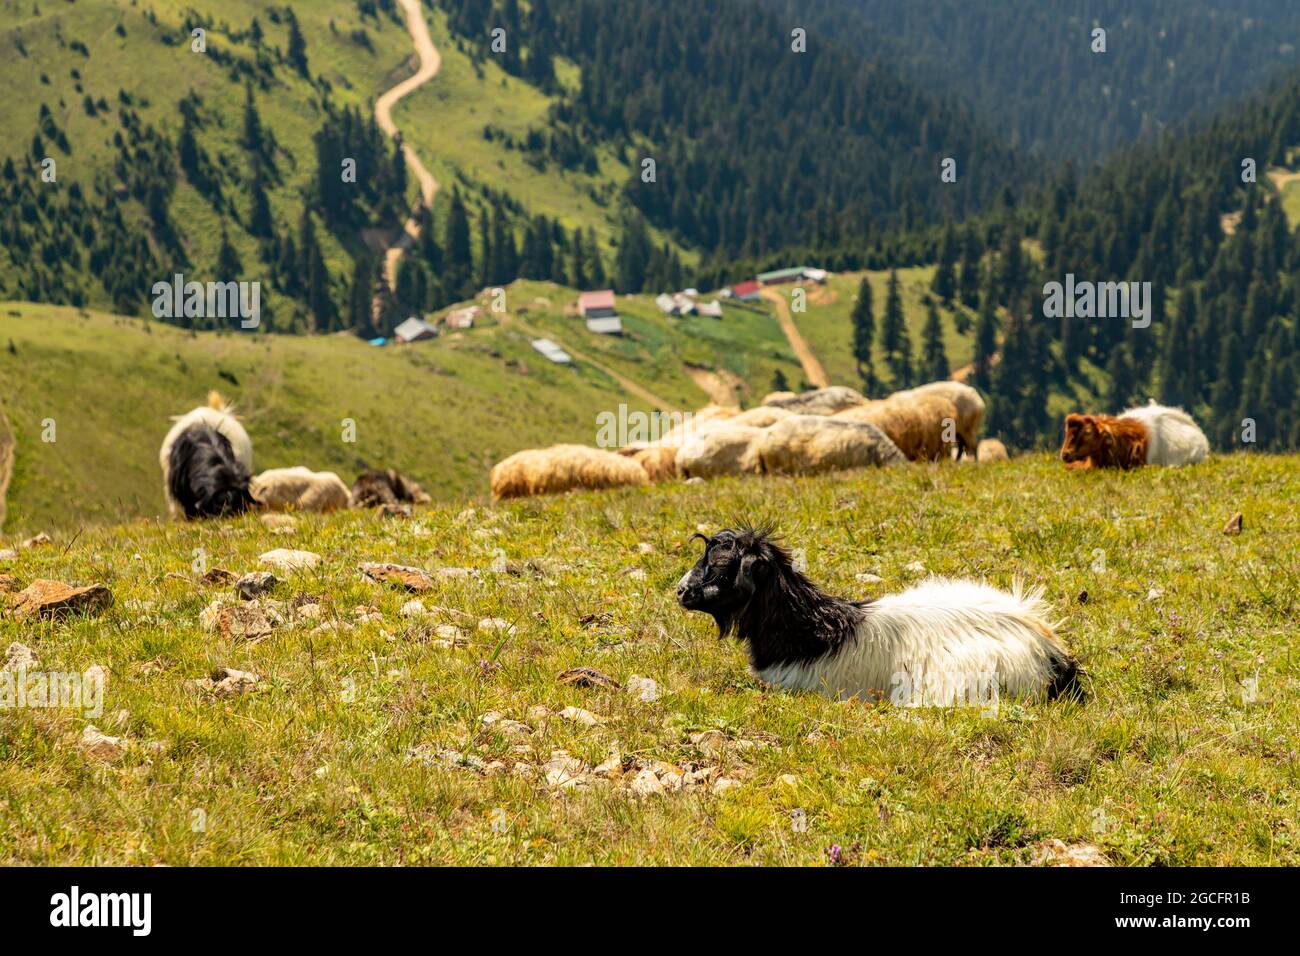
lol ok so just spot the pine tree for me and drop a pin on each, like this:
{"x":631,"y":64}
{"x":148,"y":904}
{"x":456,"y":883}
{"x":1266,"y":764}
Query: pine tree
{"x":968,"y":282}
{"x":634,"y":251}
{"x":986,"y":341}
{"x":229,"y":268}
{"x":458,"y":260}
{"x":864,"y":332}
{"x":297,"y":54}
{"x":361,"y":293}
{"x":935,"y":359}
{"x":260,"y":221}
{"x":253,"y":140}
{"x":895,"y":341}
{"x":945,"y":281}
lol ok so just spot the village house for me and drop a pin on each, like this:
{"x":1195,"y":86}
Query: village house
{"x":711,"y":310}
{"x":414,"y":330}
{"x":608,"y":326}
{"x":463,"y":318}
{"x":780,"y":276}
{"x":552,"y":351}
{"x":746,"y":291}
{"x":597,"y":305}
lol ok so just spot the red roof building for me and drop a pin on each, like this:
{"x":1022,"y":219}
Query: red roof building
{"x":597,"y":305}
{"x":746,"y":290}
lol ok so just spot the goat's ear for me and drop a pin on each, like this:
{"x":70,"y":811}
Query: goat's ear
{"x":752,"y":571}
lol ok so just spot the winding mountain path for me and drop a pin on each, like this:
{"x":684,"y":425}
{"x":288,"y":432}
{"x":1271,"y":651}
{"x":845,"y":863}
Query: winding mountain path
{"x":812,"y":367}
{"x":430,"y":61}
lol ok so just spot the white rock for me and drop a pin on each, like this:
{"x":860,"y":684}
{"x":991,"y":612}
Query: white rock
{"x":289,"y":560}
{"x":723,"y":784}
{"x":868,"y":578}
{"x":643,"y":688}
{"x":646,"y":784}
{"x":100,"y":745}
{"x":496,"y":625}
{"x":915,"y":567}
{"x":579,"y":716}
{"x":414,"y":608}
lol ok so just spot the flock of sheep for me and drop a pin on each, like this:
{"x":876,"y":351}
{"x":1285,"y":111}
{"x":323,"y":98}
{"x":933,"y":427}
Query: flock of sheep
{"x":826,"y":429}
{"x":207,"y":465}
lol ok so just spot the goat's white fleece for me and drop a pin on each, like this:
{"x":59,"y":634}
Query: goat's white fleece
{"x":1173,"y":438}
{"x":939,"y":644}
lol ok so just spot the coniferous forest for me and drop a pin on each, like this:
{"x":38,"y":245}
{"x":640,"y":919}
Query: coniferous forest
{"x":727,"y":154}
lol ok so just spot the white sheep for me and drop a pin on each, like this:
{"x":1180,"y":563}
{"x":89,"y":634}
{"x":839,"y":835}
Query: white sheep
{"x":299,"y":489}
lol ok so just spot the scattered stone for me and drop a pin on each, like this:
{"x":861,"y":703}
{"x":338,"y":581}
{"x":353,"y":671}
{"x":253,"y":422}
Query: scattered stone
{"x":611,"y":767}
{"x":247,"y":622}
{"x":218,"y":576}
{"x":452,"y":574}
{"x":788,"y":780}
{"x":635,"y":574}
{"x":96,"y":674}
{"x":710,"y":741}
{"x":496,"y":625}
{"x":868,"y":578}
{"x":38,"y":541}
{"x":646,"y":784}
{"x":310,"y":611}
{"x":1235,"y":524}
{"x":914,"y":567}
{"x":367,"y":613}
{"x":8,"y":554}
{"x":414,"y":608}
{"x":52,"y":599}
{"x":1053,"y":852}
{"x":694,"y":480}
{"x":288,"y":560}
{"x":723,"y":784}
{"x":565,"y":772}
{"x":228,"y":682}
{"x":413,"y":579}
{"x":432,"y":756}
{"x":100,"y":745}
{"x":588,"y":677}
{"x":539,"y":713}
{"x":1155,"y":594}
{"x":449,"y":636}
{"x":8,"y":583}
{"x":279,"y":522}
{"x":255,"y":584}
{"x":643,"y":688}
{"x":20,"y":657}
{"x":514,"y":729}
{"x":579,"y":716}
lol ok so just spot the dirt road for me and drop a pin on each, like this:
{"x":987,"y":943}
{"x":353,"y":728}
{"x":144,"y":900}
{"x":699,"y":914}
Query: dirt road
{"x":430,"y":61}
{"x":812,"y":368}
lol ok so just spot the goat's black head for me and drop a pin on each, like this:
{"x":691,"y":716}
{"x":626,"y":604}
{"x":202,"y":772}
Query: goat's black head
{"x":735,"y":565}
{"x":748,"y":583}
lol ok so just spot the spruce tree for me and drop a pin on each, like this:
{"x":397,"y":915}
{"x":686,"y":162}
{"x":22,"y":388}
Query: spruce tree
{"x":297,"y":54}
{"x":934,"y":359}
{"x":864,"y":332}
{"x":895,"y":341}
{"x":968,"y":282}
{"x":986,"y":341}
{"x":945,"y":279}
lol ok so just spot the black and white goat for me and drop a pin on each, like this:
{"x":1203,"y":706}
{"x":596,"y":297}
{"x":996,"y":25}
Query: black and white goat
{"x":207,"y":461}
{"x":942,"y":643}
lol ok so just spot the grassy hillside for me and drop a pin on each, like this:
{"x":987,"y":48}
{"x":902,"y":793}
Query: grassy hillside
{"x":366,"y":743}
{"x":443,"y":411}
